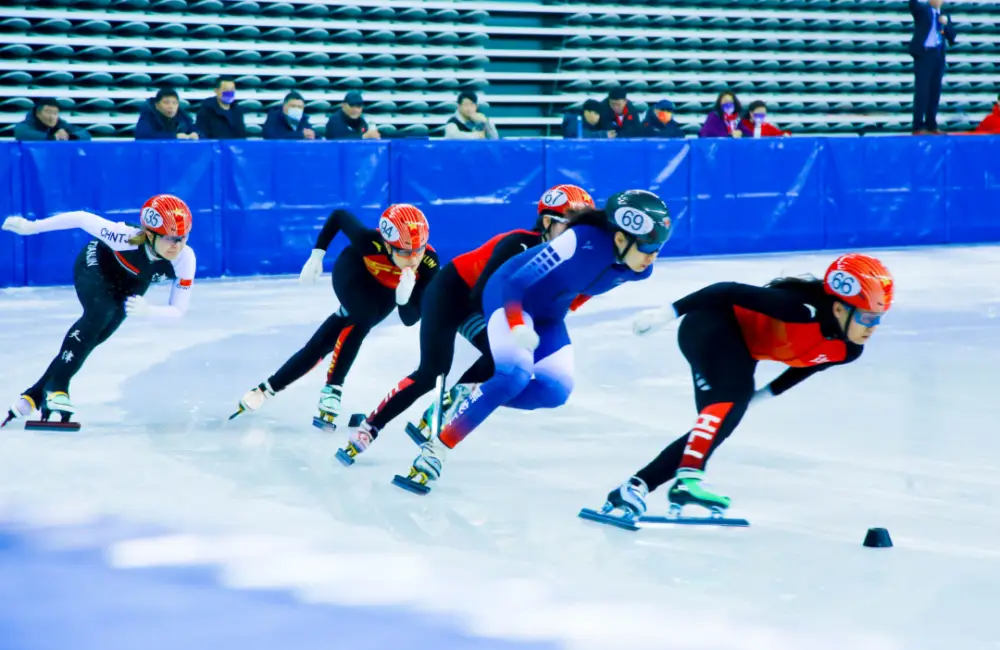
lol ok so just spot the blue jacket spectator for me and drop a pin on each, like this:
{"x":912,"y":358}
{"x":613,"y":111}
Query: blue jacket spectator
{"x":585,"y":124}
{"x":43,"y":123}
{"x":659,"y":122}
{"x":347,"y":123}
{"x":220,"y":117}
{"x":162,"y":119}
{"x":289,"y":121}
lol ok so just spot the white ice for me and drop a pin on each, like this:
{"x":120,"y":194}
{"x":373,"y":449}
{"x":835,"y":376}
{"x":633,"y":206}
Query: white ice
{"x":904,"y":439}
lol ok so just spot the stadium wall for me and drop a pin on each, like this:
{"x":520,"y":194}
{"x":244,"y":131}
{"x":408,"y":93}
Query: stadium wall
{"x":258,"y":205}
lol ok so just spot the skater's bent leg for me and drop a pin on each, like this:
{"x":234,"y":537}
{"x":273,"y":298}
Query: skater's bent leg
{"x":312,"y":353}
{"x":552,"y":384}
{"x":514,"y":366}
{"x":345,"y":351}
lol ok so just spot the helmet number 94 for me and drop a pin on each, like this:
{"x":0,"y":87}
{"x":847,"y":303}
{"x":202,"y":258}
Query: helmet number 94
{"x":389,"y":232}
{"x":844,"y":284}
{"x":634,"y":221}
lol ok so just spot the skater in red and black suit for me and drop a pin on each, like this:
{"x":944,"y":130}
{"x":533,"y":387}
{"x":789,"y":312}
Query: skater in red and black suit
{"x":807,"y":324}
{"x":111,"y":275}
{"x":380,"y":270}
{"x":452,"y":305}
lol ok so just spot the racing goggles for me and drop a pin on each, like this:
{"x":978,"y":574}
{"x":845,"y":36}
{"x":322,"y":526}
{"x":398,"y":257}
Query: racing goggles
{"x":408,"y":253}
{"x":174,"y":239}
{"x":867,"y":318}
{"x":648,"y":248}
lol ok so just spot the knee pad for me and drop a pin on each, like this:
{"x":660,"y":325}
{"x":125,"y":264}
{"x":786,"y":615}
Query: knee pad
{"x":508,"y":381}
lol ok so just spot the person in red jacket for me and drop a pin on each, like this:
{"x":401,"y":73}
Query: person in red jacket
{"x":453,"y":305}
{"x":991,"y":125}
{"x":806,"y":323}
{"x":755,"y":125}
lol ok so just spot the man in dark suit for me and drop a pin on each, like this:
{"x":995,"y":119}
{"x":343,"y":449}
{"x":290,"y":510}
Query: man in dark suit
{"x":933,"y":31}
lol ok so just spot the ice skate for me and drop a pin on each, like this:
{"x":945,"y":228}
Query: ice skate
{"x":689,"y":489}
{"x":426,"y":467}
{"x":329,"y":407}
{"x":359,"y":440}
{"x":22,"y":408}
{"x":254,"y":399}
{"x":629,"y":497}
{"x":421,"y":432}
{"x":57,"y":403}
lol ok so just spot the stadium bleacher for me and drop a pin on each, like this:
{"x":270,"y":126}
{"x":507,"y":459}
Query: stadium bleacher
{"x":823,"y":66}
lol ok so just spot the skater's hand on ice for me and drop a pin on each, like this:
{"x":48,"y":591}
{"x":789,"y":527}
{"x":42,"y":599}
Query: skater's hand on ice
{"x":136,"y":306}
{"x":313,"y":267}
{"x":407,"y":280}
{"x":525,"y":337}
{"x":19,"y":225}
{"x":651,"y":320}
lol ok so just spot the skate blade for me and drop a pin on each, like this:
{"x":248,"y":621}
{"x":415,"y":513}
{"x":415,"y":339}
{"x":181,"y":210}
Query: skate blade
{"x":48,"y":425}
{"x":408,"y":484}
{"x":696,"y":521}
{"x":241,"y":411}
{"x":345,"y":456}
{"x":416,"y":435}
{"x":619,"y":521}
{"x":356,"y":420}
{"x":325,"y":425}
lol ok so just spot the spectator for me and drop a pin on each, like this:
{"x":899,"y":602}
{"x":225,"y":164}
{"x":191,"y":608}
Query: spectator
{"x":618,"y":114}
{"x":162,"y":119}
{"x":992,"y":122}
{"x":931,"y":29}
{"x":42,"y":123}
{"x":288,"y":121}
{"x":347,"y":123}
{"x":468,"y":123}
{"x":724,"y":120}
{"x":659,"y":122}
{"x":585,"y":124}
{"x":220,"y":117}
{"x":755,"y":124}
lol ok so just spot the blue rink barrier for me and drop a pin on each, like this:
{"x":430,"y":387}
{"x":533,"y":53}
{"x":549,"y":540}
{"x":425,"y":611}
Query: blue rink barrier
{"x":58,"y":591}
{"x":259,"y":204}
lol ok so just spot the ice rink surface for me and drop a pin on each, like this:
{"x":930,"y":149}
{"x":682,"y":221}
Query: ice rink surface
{"x":904,"y":439}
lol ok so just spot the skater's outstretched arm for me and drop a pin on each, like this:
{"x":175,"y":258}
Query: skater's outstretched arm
{"x":343,"y":221}
{"x":794,"y":376}
{"x":774,"y":303}
{"x":117,"y":236}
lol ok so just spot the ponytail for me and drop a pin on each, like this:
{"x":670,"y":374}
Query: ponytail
{"x":139,"y":238}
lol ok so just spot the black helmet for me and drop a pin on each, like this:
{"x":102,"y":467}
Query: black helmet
{"x":642,"y":216}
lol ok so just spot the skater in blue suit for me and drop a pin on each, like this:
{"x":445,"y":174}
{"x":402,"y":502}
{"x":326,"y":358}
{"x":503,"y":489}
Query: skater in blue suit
{"x":526,"y":302}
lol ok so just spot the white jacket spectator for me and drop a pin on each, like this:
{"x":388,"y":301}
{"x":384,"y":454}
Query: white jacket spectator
{"x":468,"y":123}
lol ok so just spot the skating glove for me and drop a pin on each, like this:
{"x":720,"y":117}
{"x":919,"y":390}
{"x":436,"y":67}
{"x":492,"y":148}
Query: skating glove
{"x":19,"y":225}
{"x":407,"y":280}
{"x":652,"y":320}
{"x":139,"y":307}
{"x":313,"y":267}
{"x":525,"y":337}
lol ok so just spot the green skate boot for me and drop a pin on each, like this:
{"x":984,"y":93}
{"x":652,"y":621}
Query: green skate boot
{"x":421,"y":432}
{"x":329,"y":407}
{"x":688,"y":489}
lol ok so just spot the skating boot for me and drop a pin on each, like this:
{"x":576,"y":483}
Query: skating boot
{"x":630,"y":498}
{"x":421,"y":431}
{"x":359,"y":440}
{"x":254,"y":399}
{"x":22,"y":408}
{"x":57,"y":403}
{"x":426,"y":467}
{"x":688,"y":488}
{"x":329,"y":407}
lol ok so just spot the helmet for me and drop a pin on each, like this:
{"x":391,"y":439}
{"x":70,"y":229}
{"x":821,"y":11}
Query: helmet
{"x":642,"y":216}
{"x":167,"y":215}
{"x":563,"y":198}
{"x":404,"y":228}
{"x":860,"y":281}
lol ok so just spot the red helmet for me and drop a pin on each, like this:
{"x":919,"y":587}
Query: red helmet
{"x":564,"y":198}
{"x":404,"y":228}
{"x":166,"y":215}
{"x":860,"y":281}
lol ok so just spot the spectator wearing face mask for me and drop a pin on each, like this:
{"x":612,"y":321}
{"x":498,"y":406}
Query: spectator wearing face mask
{"x":724,"y":120}
{"x":162,"y":119}
{"x":43,"y":123}
{"x":220,"y":117}
{"x":347,"y":123}
{"x":660,"y":122}
{"x":468,"y":123}
{"x":587,"y":123}
{"x":755,"y":124}
{"x":288,"y":121}
{"x":618,"y":114}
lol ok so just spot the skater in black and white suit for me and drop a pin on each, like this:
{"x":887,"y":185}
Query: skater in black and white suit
{"x":111,"y":275}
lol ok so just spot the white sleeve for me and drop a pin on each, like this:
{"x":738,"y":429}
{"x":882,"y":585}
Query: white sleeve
{"x":180,"y":292}
{"x":115,"y":235}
